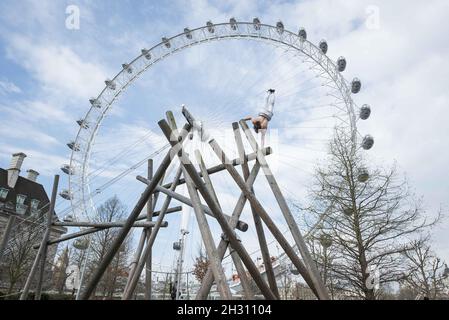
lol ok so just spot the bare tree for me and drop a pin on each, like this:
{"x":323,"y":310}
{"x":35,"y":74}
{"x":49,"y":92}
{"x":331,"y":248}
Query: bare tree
{"x":426,"y":273}
{"x":114,"y":278}
{"x":20,"y":254}
{"x":200,"y":266}
{"x":369,"y":221}
{"x":59,"y":271}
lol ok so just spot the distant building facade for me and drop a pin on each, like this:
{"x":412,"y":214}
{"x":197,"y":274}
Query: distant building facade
{"x":23,"y":209}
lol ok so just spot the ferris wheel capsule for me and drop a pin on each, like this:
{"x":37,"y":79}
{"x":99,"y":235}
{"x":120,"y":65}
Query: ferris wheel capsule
{"x":110,"y":84}
{"x":365,"y":112}
{"x":82,"y":123}
{"x":127,"y":68}
{"x":341,"y":64}
{"x":210,"y":26}
{"x":66,"y":194}
{"x":146,"y":53}
{"x":367,"y":142}
{"x":95,"y":103}
{"x":81,"y":244}
{"x":68,"y":218}
{"x":323,"y":46}
{"x":325,"y":240}
{"x":348,"y":211}
{"x":74,"y":146}
{"x":280,"y":27}
{"x":256,"y":23}
{"x":363,"y":175}
{"x":67,"y":169}
{"x":233,"y":23}
{"x":356,"y":85}
{"x":166,"y":42}
{"x":302,"y":34}
{"x":188,"y":33}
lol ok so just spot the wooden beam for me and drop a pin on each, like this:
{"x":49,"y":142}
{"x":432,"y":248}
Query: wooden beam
{"x":257,"y":221}
{"x":220,"y":167}
{"x":248,"y":292}
{"x":242,"y":226}
{"x":293,"y":226}
{"x":264,"y":215}
{"x":116,"y":244}
{"x":228,"y":231}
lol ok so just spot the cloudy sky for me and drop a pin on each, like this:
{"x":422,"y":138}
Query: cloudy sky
{"x":397,"y":48}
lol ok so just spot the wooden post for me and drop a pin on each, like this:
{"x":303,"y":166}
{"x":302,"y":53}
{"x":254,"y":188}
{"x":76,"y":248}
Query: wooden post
{"x":41,"y":255}
{"x":115,"y":246}
{"x":257,"y":221}
{"x":148,"y":265}
{"x":208,"y":279}
{"x":6,"y":235}
{"x":208,"y":240}
{"x":229,"y":233}
{"x":249,"y":295}
{"x":263,"y":214}
{"x":293,"y":226}
{"x":137,"y":254}
{"x":141,"y":263}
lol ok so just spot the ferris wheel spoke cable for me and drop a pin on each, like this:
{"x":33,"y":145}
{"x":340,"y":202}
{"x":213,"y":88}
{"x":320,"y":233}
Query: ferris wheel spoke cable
{"x":122,"y":153}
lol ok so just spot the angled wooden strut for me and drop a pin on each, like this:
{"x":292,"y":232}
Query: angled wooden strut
{"x":208,"y":279}
{"x":257,"y":221}
{"x":41,"y":256}
{"x":131,"y":219}
{"x":129,"y":290}
{"x":228,"y":231}
{"x":241,"y":225}
{"x":264,"y":215}
{"x":293,"y":226}
{"x":208,"y":240}
{"x":248,"y":292}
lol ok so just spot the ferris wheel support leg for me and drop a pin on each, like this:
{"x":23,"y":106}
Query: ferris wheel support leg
{"x":248,"y":292}
{"x":293,"y":226}
{"x":208,"y":279}
{"x":257,"y":221}
{"x":41,"y":255}
{"x":228,"y":231}
{"x":118,"y":241}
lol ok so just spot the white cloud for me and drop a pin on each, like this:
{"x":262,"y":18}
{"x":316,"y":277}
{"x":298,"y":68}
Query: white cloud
{"x":57,"y":68}
{"x":7,"y":87}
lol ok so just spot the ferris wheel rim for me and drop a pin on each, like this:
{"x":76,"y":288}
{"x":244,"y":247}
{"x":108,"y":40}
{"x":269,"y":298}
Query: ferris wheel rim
{"x":84,"y":197}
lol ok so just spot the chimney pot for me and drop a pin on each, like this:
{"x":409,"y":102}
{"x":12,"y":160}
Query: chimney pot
{"x":32,"y":175}
{"x":14,"y":168}
{"x":17,"y":160}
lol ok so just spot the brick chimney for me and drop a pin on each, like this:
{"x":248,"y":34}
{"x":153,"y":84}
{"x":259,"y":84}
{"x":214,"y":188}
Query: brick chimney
{"x":14,"y":168}
{"x":32,"y":175}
